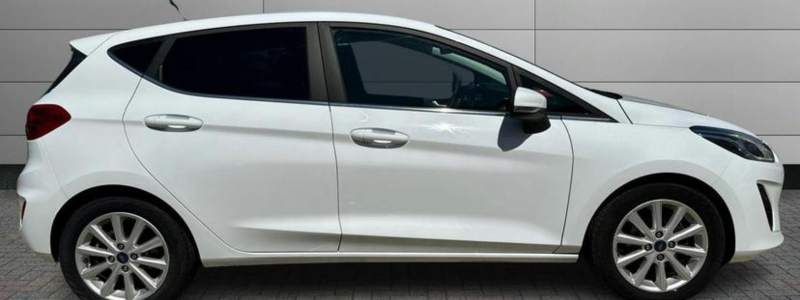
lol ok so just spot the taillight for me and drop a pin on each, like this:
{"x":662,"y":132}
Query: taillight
{"x":44,"y":118}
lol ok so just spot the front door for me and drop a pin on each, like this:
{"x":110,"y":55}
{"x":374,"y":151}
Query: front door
{"x":428,"y":160}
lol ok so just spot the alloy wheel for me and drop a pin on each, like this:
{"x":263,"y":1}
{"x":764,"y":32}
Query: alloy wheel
{"x":660,"y":245}
{"x":122,"y":256}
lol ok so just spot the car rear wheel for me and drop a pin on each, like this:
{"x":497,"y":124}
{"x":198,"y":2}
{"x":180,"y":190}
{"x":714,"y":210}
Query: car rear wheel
{"x":658,"y":241}
{"x":122,"y":248}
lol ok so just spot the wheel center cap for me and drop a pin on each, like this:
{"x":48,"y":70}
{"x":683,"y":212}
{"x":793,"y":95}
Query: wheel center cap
{"x":122,"y":258}
{"x":660,"y":246}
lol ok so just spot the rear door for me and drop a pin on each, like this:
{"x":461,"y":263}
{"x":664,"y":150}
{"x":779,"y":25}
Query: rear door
{"x":235,"y":124}
{"x":428,"y":158}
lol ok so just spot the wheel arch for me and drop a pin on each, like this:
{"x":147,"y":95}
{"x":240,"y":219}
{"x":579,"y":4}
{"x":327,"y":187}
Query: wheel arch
{"x":684,"y":180}
{"x":95,"y":193}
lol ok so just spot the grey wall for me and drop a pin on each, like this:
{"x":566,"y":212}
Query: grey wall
{"x":734,"y":59}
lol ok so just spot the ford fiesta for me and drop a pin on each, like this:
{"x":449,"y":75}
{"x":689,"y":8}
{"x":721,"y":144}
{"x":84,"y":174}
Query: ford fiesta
{"x":332,"y":137}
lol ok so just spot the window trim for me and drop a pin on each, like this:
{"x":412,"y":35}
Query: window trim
{"x":595,"y":114}
{"x":335,"y":81}
{"x":317,"y":90}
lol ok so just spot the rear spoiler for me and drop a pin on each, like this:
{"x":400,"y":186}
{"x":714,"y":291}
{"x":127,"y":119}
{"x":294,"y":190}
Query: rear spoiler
{"x":87,"y":45}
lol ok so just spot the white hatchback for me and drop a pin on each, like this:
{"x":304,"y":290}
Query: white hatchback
{"x":334,"y":137}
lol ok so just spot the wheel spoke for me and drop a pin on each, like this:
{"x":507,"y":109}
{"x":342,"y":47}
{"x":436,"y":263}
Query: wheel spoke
{"x":93,"y":251}
{"x":130,"y":290}
{"x":152,"y":262}
{"x":690,"y":251}
{"x":147,"y":246}
{"x":658,"y":216}
{"x":676,"y":218}
{"x":638,"y":277}
{"x":149,"y":282}
{"x":116,"y":224}
{"x":627,"y":239}
{"x":103,"y":237}
{"x":687,"y":233}
{"x":108,"y":286}
{"x":93,"y":271}
{"x":628,"y":259}
{"x":661,"y":276}
{"x":679,"y":268}
{"x":637,"y":221}
{"x":138,"y":227}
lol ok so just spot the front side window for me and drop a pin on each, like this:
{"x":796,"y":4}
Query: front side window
{"x":395,"y":69}
{"x":256,"y":63}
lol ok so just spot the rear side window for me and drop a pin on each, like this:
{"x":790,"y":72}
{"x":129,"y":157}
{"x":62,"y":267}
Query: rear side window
{"x":77,"y":58}
{"x":137,"y":56}
{"x":256,"y":63}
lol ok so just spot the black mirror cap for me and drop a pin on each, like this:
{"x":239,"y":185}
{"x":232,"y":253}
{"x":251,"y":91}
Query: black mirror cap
{"x":533,"y":122}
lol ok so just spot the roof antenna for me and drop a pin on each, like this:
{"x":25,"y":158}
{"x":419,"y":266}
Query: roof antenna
{"x":172,"y":2}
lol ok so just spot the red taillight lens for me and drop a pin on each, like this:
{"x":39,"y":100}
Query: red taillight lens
{"x":44,"y":118}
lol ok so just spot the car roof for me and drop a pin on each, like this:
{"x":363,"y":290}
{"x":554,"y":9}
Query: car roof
{"x":290,"y":17}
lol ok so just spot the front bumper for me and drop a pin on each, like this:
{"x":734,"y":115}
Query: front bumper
{"x":738,"y":186}
{"x":42,"y":195}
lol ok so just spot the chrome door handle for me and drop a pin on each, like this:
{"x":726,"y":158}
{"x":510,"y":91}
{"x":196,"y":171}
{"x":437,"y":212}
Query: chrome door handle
{"x":379,"y":138}
{"x":173,"y":123}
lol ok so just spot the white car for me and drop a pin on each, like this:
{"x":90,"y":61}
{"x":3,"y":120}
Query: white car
{"x":336,"y":137}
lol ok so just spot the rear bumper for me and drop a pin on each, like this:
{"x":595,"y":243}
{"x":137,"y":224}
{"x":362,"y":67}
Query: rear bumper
{"x":738,"y":186}
{"x":42,"y":194}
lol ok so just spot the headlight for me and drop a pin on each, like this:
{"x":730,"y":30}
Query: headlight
{"x":739,"y":143}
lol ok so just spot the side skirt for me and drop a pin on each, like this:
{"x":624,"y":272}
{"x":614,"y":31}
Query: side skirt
{"x":250,"y":259}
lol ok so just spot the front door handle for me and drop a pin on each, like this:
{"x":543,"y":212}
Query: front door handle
{"x":173,"y":123}
{"x":379,"y":138}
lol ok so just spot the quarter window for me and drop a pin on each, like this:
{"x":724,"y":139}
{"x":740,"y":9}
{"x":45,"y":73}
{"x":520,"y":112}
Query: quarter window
{"x":395,"y":69}
{"x":137,"y":56}
{"x":258,"y":63}
{"x":556,"y":103}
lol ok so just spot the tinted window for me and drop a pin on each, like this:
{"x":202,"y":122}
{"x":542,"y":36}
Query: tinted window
{"x":77,"y":58}
{"x":556,"y":103}
{"x":260,"y":63}
{"x":387,"y":68}
{"x":137,"y":56}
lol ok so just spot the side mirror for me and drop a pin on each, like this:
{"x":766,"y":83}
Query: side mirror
{"x":531,"y":107}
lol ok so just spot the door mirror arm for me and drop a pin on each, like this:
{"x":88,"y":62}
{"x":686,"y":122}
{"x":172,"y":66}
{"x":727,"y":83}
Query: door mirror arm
{"x":531,"y":108}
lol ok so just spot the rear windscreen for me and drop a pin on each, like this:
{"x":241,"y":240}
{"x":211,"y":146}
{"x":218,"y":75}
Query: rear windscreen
{"x":77,"y":58}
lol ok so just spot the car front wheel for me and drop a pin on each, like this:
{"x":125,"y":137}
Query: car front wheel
{"x":658,"y":241}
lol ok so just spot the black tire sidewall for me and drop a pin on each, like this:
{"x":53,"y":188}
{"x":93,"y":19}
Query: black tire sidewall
{"x":609,"y":217}
{"x":181,"y":251}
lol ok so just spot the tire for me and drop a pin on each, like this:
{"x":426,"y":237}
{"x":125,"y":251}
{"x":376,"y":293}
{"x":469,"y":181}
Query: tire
{"x":174,"y":260}
{"x":617,"y":217}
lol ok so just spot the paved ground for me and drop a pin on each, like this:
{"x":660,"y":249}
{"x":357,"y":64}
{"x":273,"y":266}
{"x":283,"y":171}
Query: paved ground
{"x":774,"y":276}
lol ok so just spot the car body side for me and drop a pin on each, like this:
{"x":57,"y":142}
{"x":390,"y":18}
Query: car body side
{"x":94,"y":152}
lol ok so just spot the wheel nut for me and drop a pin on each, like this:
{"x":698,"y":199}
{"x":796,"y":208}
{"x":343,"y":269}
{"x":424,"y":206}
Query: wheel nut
{"x":86,"y":261}
{"x":134,"y":256}
{"x":120,"y":246}
{"x":124,"y":268}
{"x":111,"y":259}
{"x":659,"y":234}
{"x":672,"y":244}
{"x":648,"y":247}
{"x":660,"y":257}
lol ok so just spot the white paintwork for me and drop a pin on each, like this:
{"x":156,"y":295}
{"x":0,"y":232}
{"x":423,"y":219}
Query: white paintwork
{"x":463,"y":183}
{"x":529,"y":100}
{"x":261,"y":175}
{"x":270,"y":182}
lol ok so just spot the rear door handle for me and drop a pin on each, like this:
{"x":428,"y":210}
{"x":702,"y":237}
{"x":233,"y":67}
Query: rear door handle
{"x":173,"y":123}
{"x":379,"y":138}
